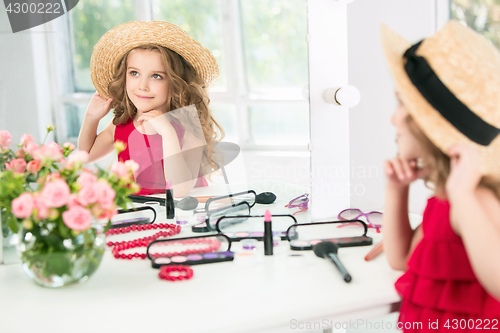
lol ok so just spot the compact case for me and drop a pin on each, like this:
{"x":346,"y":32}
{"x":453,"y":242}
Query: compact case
{"x":238,"y":227}
{"x":228,"y":204}
{"x":343,"y":233}
{"x":128,"y":217}
{"x":196,"y":250}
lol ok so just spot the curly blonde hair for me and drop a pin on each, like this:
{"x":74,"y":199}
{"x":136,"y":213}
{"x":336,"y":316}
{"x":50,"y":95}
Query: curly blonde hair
{"x":439,"y":164}
{"x":185,"y":88}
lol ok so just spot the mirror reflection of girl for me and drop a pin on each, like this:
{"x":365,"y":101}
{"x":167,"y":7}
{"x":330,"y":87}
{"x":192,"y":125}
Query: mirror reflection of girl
{"x":144,"y":70}
{"x":446,"y":123}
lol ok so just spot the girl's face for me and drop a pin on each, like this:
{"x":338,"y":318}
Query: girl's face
{"x":146,"y":82}
{"x":409,"y":148}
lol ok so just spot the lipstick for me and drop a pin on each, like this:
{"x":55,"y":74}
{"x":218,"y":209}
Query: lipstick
{"x":268,"y":234}
{"x":169,"y":200}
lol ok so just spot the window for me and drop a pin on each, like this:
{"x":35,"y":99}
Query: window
{"x":480,"y":15}
{"x":260,"y":47}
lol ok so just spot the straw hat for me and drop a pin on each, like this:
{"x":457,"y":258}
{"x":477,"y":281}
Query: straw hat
{"x":462,"y":99}
{"x":114,"y":44}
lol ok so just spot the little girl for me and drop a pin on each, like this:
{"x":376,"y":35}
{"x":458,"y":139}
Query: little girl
{"x":447,"y":124}
{"x":145,"y":71}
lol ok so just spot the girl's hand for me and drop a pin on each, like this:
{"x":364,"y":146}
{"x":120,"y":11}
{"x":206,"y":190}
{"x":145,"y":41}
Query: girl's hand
{"x":155,"y":121}
{"x":401,"y":173}
{"x":98,"y":107}
{"x":465,"y":173}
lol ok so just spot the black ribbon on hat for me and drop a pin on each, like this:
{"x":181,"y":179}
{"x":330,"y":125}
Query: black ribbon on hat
{"x":443,"y":100}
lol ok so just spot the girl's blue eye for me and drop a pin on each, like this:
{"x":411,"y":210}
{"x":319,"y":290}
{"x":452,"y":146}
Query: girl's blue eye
{"x":133,"y":73}
{"x":157,"y":76}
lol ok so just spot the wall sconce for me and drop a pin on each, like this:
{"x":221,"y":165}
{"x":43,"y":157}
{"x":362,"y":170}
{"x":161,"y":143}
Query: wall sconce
{"x":348,"y":96}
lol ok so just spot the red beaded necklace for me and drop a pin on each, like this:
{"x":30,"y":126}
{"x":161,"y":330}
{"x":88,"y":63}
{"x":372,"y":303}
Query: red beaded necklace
{"x":213,"y":244}
{"x":165,"y":272}
{"x":141,"y":242}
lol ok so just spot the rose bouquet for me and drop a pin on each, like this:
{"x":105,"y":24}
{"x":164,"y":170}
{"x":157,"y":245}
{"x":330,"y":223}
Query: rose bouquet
{"x":59,"y":209}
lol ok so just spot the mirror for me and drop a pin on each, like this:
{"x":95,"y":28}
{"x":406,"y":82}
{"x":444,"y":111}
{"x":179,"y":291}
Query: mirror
{"x":261,"y":49}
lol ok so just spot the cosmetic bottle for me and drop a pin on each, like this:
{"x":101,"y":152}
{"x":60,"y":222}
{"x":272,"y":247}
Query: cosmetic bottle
{"x":169,"y":201}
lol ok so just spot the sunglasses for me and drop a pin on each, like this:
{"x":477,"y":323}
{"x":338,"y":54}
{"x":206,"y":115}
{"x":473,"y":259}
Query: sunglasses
{"x":373,"y":219}
{"x":300,"y":202}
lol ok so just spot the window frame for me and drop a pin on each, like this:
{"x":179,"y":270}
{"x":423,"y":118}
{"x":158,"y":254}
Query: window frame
{"x":236,"y":93}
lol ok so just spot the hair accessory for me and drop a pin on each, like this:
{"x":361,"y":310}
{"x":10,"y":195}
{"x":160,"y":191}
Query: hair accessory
{"x":114,"y":44}
{"x":449,"y":82}
{"x":166,"y":272}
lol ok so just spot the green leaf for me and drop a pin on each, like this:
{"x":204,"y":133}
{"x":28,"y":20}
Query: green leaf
{"x":13,"y":223}
{"x":63,"y":230}
{"x":58,"y":263}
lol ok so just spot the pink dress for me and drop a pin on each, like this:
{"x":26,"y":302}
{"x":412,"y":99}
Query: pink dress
{"x":147,"y":151}
{"x":440,"y":284}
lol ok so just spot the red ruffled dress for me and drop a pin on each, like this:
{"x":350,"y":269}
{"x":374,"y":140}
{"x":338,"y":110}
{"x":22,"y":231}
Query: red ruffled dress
{"x":440,"y":284}
{"x":147,"y":151}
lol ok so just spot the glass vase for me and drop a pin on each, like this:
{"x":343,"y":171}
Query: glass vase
{"x":53,"y":257}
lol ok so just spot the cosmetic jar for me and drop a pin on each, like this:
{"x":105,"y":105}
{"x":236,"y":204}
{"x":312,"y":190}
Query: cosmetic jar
{"x":248,"y":244}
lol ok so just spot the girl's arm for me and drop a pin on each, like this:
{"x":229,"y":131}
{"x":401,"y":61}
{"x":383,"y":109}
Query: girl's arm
{"x":181,"y":166}
{"x":98,"y":146}
{"x":475,"y":217}
{"x":399,"y":238}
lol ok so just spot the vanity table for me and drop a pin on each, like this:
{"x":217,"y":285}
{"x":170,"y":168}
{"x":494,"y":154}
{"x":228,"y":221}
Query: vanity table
{"x":269,"y":296}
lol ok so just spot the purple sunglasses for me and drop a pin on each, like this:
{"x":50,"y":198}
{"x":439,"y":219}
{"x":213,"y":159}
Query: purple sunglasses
{"x":354,"y":214}
{"x":301,"y":202}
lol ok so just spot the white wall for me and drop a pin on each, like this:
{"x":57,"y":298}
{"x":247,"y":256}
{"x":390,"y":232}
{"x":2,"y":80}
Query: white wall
{"x":18,"y":107}
{"x":372,"y":138}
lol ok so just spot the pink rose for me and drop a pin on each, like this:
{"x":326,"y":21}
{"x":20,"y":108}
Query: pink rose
{"x":108,"y":214}
{"x":88,"y":194}
{"x":19,"y":153}
{"x":30,"y":148}
{"x":97,"y":210}
{"x":34,"y":166}
{"x":73,"y":200}
{"x":69,"y":145}
{"x":120,"y":169}
{"x":51,"y":151}
{"x":132,"y":165}
{"x":53,"y":176}
{"x":5,"y":141}
{"x":41,"y":208}
{"x":78,"y":156}
{"x":55,"y":193}
{"x":17,"y":165}
{"x":86,"y":178}
{"x":106,"y":194}
{"x":77,"y":218}
{"x":26,"y":138}
{"x":22,"y":206}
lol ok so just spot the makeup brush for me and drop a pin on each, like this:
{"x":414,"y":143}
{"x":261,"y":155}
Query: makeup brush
{"x":187,"y":203}
{"x":265,"y":198}
{"x":329,"y":250}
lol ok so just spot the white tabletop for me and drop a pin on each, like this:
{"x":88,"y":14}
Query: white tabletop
{"x":269,"y":296}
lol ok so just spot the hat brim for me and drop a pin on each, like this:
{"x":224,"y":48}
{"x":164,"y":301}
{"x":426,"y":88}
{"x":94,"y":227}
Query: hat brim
{"x":441,"y":132}
{"x":113,"y":45}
